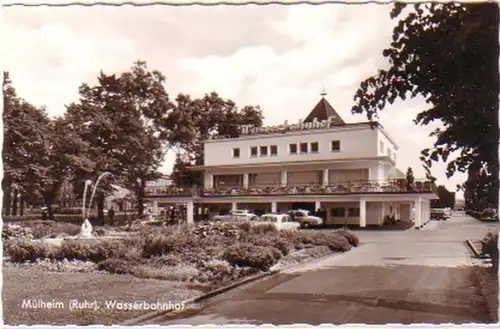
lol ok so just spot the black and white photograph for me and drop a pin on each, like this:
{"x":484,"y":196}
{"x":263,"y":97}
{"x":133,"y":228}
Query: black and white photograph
{"x":250,"y":163}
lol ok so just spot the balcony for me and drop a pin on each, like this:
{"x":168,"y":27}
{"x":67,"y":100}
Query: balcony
{"x":352,"y":187}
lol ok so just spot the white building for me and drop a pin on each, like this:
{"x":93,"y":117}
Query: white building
{"x":348,"y":169}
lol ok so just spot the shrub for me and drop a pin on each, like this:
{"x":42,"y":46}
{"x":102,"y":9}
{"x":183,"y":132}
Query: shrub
{"x":334,"y":241}
{"x":181,"y":272}
{"x":216,"y":270}
{"x":91,"y":251}
{"x":27,"y":250}
{"x":245,"y":227}
{"x":270,"y":240}
{"x":245,"y":254}
{"x":263,"y":229}
{"x":114,"y":265}
{"x":42,"y":229}
{"x":158,"y":244}
{"x":353,"y":239}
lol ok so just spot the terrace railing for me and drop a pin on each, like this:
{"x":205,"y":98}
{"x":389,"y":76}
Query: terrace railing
{"x":366,"y":186}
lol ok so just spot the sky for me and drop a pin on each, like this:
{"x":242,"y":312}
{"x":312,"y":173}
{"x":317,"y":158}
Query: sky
{"x":277,"y":57}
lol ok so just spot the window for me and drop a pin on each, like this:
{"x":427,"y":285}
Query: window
{"x":236,"y":152}
{"x":335,"y":146}
{"x":263,"y":151}
{"x":274,"y":149}
{"x":303,"y":147}
{"x":338,"y":212}
{"x":353,"y":212}
{"x":293,"y":148}
{"x":314,"y":147}
{"x":253,"y":151}
{"x":389,"y":152}
{"x":381,"y":147}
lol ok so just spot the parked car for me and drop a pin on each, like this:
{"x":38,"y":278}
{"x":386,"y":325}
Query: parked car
{"x":447,"y":212}
{"x":489,"y":214}
{"x":438,"y":214}
{"x":305,"y":219}
{"x":236,"y":216}
{"x":280,"y":221}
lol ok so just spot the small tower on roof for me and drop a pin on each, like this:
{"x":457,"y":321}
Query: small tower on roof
{"x":323,"y":110}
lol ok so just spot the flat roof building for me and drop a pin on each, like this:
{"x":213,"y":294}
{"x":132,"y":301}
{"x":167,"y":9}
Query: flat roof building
{"x":321,"y":162}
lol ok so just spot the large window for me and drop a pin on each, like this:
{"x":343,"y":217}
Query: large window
{"x":389,"y":152}
{"x":314,"y":147}
{"x":335,"y":146}
{"x":353,"y":212}
{"x":303,"y":147}
{"x":292,"y":148}
{"x":253,"y":151}
{"x":236,"y":152}
{"x":274,"y":149}
{"x":263,"y":151}
{"x":338,"y":212}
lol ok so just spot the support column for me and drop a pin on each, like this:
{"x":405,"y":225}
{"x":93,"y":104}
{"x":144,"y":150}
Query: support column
{"x":362,"y":213}
{"x":209,"y":180}
{"x":190,"y":212}
{"x":418,"y":213}
{"x":234,"y":206}
{"x":284,"y":178}
{"x":155,"y":207}
{"x":325,"y":177}
{"x":274,"y":206}
{"x":317,"y":205}
{"x":245,"y":180}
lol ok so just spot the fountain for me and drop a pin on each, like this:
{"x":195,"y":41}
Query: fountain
{"x":86,"y":228}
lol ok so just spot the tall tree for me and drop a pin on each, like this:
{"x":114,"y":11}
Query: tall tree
{"x":127,"y":121}
{"x":447,"y":53}
{"x":25,"y":136}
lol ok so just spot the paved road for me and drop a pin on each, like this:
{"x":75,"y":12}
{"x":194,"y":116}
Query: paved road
{"x":394,"y":277}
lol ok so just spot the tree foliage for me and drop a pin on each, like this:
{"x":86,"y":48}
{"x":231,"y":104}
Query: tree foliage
{"x":127,"y":121}
{"x":209,"y":117}
{"x":447,"y":53}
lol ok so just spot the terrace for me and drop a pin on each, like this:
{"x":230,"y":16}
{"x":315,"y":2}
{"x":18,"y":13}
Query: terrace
{"x":352,"y":187}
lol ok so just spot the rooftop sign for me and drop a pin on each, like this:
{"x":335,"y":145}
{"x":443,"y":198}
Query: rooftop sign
{"x":315,"y":124}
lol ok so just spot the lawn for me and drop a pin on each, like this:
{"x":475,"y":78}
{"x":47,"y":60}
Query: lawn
{"x":27,"y":283}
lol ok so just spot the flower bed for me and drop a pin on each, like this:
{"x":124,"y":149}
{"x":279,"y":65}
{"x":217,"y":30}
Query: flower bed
{"x":212,"y":253}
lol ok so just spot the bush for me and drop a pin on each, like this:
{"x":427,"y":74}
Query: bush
{"x":27,"y":250}
{"x":159,"y":244}
{"x":263,"y":229}
{"x":216,"y":270}
{"x":91,"y":251}
{"x":353,"y":240}
{"x":42,"y":229}
{"x":114,"y":265}
{"x":245,"y":227}
{"x":334,"y":241}
{"x":270,"y":240}
{"x":245,"y":254}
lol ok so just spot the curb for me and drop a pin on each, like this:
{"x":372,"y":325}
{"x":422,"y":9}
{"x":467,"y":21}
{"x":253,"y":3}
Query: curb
{"x":152,"y":315}
{"x":491,"y":311}
{"x":200,"y":298}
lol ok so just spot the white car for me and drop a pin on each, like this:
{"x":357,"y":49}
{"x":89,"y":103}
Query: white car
{"x":281,"y":221}
{"x":305,"y":219}
{"x":236,"y":216}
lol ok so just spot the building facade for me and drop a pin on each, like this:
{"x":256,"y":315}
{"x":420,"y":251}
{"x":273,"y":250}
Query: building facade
{"x":347,"y":169}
